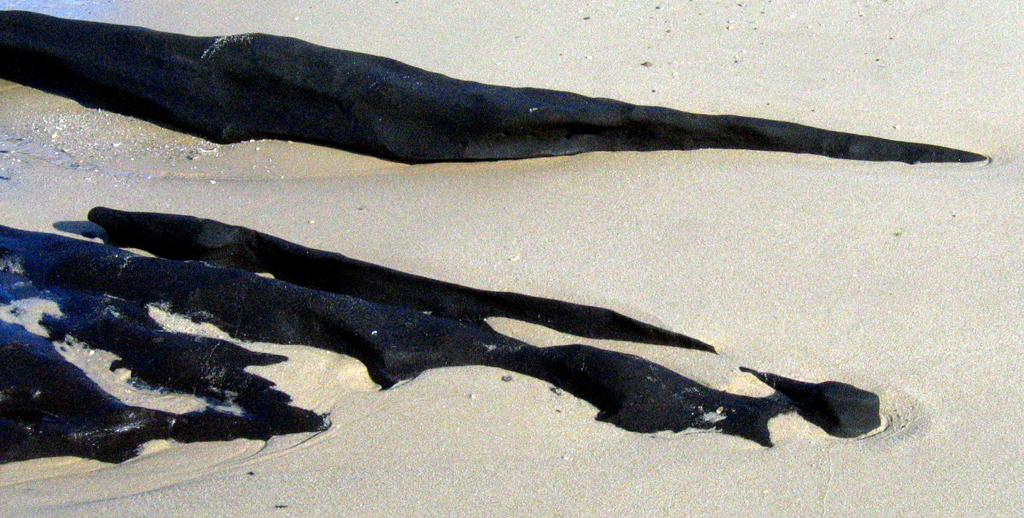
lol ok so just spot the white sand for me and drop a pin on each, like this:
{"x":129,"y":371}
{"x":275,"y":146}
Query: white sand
{"x":906,"y":280}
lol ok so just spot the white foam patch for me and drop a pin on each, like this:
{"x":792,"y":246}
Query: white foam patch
{"x":28,"y":313}
{"x":224,"y":41}
{"x":714,"y":417}
{"x":312,"y":377}
{"x":12,"y":265}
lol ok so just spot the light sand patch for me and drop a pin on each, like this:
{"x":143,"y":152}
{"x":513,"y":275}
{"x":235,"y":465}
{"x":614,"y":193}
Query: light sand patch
{"x":96,"y":363}
{"x":314,"y":378}
{"x":28,"y":312}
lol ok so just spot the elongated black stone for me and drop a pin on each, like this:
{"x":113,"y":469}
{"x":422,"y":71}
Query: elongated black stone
{"x":249,"y":86}
{"x":188,"y":238}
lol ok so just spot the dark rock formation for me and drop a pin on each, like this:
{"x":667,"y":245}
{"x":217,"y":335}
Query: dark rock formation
{"x":250,"y":86}
{"x":397,"y":324}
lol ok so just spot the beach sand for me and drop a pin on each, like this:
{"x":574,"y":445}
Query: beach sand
{"x":904,"y":280}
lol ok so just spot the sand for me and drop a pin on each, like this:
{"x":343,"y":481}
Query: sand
{"x":905,"y":280}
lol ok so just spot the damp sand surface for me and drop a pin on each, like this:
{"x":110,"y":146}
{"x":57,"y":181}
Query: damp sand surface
{"x":904,"y":280}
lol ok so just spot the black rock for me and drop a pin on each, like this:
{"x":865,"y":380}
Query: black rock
{"x":249,"y":86}
{"x":840,"y":409}
{"x":397,"y":324}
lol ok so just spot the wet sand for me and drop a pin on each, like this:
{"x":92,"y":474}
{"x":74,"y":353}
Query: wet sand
{"x":904,"y":280}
